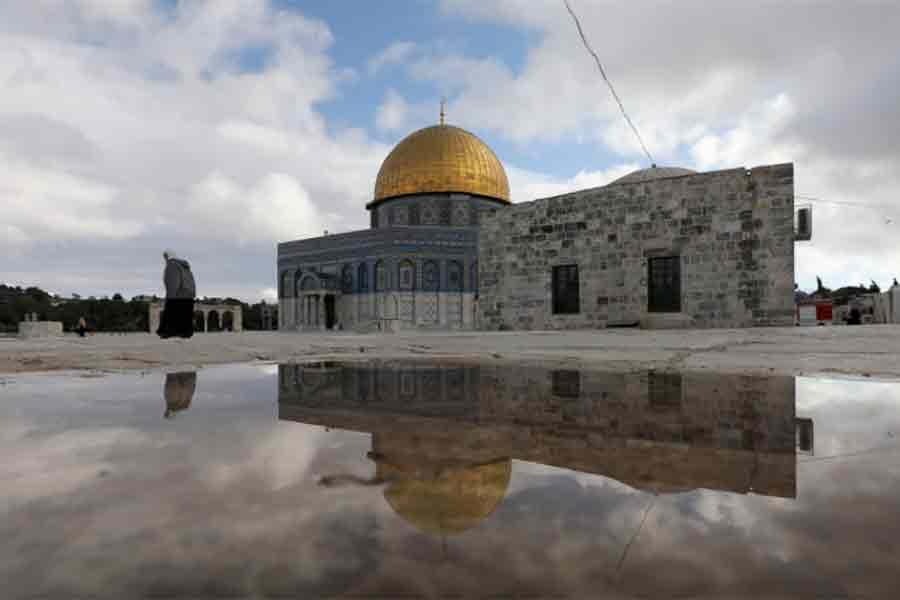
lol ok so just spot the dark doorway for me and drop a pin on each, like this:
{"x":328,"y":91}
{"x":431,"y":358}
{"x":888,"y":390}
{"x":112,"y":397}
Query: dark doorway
{"x":664,"y":283}
{"x":329,"y":312}
{"x":198,"y":321}
{"x":212,"y":321}
{"x":566,"y":290}
{"x":227,"y":321}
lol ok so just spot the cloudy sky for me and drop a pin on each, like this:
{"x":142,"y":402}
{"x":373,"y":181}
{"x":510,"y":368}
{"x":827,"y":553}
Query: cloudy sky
{"x":221,"y":127}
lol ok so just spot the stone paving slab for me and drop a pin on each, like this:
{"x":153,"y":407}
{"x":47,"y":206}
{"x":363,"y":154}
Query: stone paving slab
{"x":872,"y":350}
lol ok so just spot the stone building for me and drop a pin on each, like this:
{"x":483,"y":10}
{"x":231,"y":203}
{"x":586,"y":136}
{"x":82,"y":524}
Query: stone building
{"x":660,"y":247}
{"x":444,"y":435}
{"x":208,"y":317}
{"x":416,"y":267}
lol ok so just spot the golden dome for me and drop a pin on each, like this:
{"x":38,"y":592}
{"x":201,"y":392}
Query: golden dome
{"x":452,"y":501}
{"x":441,"y":158}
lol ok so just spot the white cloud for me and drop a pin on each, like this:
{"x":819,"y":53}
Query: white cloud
{"x":527,"y":185}
{"x":705,"y":93}
{"x":50,"y":203}
{"x":398,"y":52}
{"x":392,"y":114}
{"x":276,"y":208}
{"x":194,"y":127}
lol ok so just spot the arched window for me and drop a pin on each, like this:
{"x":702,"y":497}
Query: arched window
{"x":362,"y":277}
{"x":380,"y":276}
{"x":297,"y":277}
{"x":454,"y":276}
{"x":284,"y":292}
{"x":431,"y":276}
{"x":309,"y":282}
{"x":347,"y":279}
{"x":407,"y":275}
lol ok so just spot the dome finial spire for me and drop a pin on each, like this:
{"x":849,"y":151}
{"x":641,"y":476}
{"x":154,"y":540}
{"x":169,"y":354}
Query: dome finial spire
{"x":443,"y":102}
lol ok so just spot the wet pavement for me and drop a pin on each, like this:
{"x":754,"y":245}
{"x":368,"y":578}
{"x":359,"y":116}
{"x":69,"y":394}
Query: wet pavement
{"x":409,"y":479}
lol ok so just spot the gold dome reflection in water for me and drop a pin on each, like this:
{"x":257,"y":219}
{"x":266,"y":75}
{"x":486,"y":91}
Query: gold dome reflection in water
{"x":451,"y":501}
{"x":441,"y":158}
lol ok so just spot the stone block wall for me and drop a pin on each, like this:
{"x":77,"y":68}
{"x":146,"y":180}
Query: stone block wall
{"x":38,"y":329}
{"x":732,"y":231}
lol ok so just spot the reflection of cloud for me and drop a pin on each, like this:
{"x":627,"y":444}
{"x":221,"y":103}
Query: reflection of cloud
{"x":37,"y":466}
{"x":224,"y":503}
{"x":280,"y":459}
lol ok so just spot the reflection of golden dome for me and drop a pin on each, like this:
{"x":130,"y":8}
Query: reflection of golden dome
{"x":441,"y":158}
{"x":452,"y":501}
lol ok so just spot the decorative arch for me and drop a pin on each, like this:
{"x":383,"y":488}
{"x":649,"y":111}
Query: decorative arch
{"x":406,"y":274}
{"x":283,"y":287}
{"x":362,"y":277}
{"x":454,"y":276}
{"x":309,"y":282}
{"x":431,"y":276}
{"x":347,"y":279}
{"x":199,"y":321}
{"x":212,"y":321}
{"x":227,"y":321}
{"x":380,"y":276}
{"x":297,"y":277}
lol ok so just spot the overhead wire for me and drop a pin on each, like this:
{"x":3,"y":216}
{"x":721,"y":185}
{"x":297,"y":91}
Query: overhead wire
{"x":608,"y":82}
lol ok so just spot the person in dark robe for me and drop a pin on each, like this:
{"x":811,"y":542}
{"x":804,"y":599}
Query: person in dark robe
{"x":179,"y":391}
{"x":177,"y":318}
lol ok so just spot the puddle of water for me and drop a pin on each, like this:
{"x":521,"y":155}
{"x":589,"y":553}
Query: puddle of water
{"x":396,"y":479}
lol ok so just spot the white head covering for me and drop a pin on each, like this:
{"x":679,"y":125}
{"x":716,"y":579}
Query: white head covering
{"x":169,"y":253}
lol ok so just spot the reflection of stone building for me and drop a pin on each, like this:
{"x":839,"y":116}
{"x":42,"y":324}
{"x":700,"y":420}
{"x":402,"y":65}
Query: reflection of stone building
{"x":444,"y":436}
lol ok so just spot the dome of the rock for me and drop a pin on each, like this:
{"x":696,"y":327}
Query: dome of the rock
{"x":441,"y":158}
{"x":651,"y":174}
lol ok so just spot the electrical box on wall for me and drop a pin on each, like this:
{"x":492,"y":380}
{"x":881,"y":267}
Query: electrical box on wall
{"x":803,"y":224}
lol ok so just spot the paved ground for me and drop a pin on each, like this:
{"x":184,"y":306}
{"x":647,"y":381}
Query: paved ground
{"x":872,"y":350}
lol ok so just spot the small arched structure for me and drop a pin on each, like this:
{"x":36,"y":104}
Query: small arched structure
{"x":203,"y":319}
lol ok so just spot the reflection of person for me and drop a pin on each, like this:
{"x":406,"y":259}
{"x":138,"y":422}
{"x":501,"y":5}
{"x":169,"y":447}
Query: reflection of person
{"x":81,"y":327}
{"x":177,"y":317}
{"x":179,"y":391}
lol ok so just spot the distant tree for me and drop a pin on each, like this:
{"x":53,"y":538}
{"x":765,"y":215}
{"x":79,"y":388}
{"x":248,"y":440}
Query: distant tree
{"x":117,"y":297}
{"x":874,"y":288}
{"x":819,"y":287}
{"x":895,"y":284}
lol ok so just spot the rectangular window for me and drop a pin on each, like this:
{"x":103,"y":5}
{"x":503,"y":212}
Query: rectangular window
{"x":566,"y":291}
{"x":664,"y":284}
